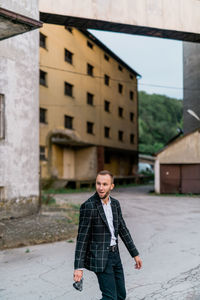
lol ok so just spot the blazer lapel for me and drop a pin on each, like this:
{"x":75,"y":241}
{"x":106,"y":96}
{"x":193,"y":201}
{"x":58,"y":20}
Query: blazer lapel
{"x":101,"y":210}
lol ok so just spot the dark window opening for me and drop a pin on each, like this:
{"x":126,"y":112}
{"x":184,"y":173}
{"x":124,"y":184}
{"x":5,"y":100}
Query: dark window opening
{"x":120,"y":88}
{"x":131,"y":116}
{"x":107,"y":132}
{"x":2,"y":117}
{"x":68,"y":28}
{"x":42,"y":153}
{"x":68,"y":89}
{"x":107,"y":157}
{"x":107,"y":106}
{"x":120,"y":68}
{"x":90,"y":69}
{"x":131,"y":95}
{"x":90,"y":127}
{"x":43,"y":78}
{"x":120,"y":112}
{"x":2,"y":193}
{"x":90,"y":45}
{"x":131,"y":76}
{"x":68,"y":56}
{"x":106,"y":57}
{"x":106,"y":79}
{"x":120,"y":135}
{"x":132,"y":138}
{"x":43,"y":115}
{"x":43,"y":40}
{"x":68,"y":122}
{"x":90,"y":98}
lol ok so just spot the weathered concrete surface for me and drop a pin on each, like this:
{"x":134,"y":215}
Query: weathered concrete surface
{"x":166,"y":232}
{"x":19,"y":151}
{"x":191,"y":67}
{"x":163,"y":14}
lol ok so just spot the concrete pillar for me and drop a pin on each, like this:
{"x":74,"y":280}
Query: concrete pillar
{"x":100,"y":158}
{"x":157,"y":176}
{"x":191,"y":59}
{"x":19,"y":151}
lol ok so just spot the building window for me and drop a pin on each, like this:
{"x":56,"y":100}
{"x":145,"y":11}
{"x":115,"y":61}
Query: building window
{"x":131,"y":95}
{"x":106,"y":57}
{"x":132,"y":138}
{"x":131,"y":76}
{"x":120,"y":88}
{"x":90,"y":127}
{"x":68,"y":89}
{"x":107,"y":158}
{"x":90,"y":45}
{"x":43,"y":40}
{"x":90,"y":99}
{"x":42,"y":153}
{"x":107,"y":132}
{"x":2,"y":117}
{"x":43,"y":78}
{"x":68,"y":28}
{"x":107,"y":106}
{"x":43,"y":115}
{"x":90,"y":69}
{"x":68,"y":56}
{"x":120,"y":112}
{"x":120,"y":68}
{"x":106,"y":79}
{"x":120,"y":135}
{"x":131,"y":116}
{"x":68,"y":122}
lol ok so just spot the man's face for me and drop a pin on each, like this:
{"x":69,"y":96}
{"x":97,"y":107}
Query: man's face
{"x":104,"y":185}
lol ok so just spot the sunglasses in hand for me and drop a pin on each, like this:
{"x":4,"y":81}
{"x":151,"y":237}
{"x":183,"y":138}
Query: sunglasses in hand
{"x":78,"y":285}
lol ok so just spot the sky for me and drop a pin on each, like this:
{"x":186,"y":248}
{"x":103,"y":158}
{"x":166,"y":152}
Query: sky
{"x":158,"y":61}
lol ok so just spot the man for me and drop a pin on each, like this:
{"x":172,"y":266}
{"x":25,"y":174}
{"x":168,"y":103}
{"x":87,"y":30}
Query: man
{"x":97,"y":242}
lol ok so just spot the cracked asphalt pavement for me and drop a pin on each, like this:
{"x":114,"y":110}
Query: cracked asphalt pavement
{"x":165,"y":230}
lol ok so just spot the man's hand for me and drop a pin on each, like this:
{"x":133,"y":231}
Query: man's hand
{"x":138,"y":262}
{"x":78,"y":274}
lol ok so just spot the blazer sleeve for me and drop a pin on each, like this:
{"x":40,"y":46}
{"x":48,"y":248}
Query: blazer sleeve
{"x":125,"y":235}
{"x":84,"y":229}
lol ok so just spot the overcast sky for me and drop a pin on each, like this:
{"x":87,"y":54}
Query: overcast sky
{"x":159,"y":61}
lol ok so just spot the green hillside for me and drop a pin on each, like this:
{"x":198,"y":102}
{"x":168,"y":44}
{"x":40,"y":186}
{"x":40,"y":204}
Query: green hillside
{"x":159,"y":118}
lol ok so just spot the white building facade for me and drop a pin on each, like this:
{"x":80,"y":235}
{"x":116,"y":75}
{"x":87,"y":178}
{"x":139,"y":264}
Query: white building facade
{"x":19,"y":124}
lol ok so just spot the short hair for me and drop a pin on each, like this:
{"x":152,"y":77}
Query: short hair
{"x":106,"y":172}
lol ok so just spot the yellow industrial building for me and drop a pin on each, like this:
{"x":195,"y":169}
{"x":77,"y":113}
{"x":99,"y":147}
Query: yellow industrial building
{"x":88,"y":107}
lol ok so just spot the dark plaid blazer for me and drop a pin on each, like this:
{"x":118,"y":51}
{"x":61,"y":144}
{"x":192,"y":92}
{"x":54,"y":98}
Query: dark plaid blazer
{"x":93,"y":240}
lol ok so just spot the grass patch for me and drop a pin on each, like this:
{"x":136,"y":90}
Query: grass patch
{"x":132,"y":184}
{"x":67,"y":190}
{"x":90,"y":190}
{"x":174,"y":195}
{"x":73,"y":213}
{"x":48,"y":200}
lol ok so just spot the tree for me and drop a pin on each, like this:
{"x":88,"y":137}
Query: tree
{"x":159,"y":119}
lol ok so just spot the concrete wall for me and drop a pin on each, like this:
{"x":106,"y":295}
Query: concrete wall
{"x":19,"y":150}
{"x":191,"y":65}
{"x":163,"y":14}
{"x":184,"y":151}
{"x":86,"y":163}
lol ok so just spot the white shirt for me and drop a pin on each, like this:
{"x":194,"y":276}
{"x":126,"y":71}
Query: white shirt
{"x":109,"y":216}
